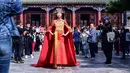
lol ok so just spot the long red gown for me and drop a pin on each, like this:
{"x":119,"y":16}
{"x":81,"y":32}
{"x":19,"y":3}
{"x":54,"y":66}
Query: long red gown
{"x":57,"y":48}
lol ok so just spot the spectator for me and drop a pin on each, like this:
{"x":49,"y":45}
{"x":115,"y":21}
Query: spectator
{"x":27,"y":44}
{"x":76,"y":36}
{"x":18,"y":46}
{"x":8,"y":9}
{"x":38,"y":43}
{"x":107,"y":47}
{"x":84,"y":36}
{"x":92,"y":40}
{"x":116,"y":43}
{"x":127,"y":42}
{"x":123,"y":42}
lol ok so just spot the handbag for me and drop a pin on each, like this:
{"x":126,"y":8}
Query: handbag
{"x":111,"y":37}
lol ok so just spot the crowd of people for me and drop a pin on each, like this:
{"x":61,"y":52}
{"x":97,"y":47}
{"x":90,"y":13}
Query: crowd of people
{"x":86,"y":41}
{"x":58,"y":50}
{"x":29,"y":41}
{"x":104,"y":37}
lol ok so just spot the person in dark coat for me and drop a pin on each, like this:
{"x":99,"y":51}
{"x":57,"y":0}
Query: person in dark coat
{"x":92,"y":39}
{"x":123,"y":42}
{"x":30,"y":41}
{"x":116,"y":43}
{"x":27,"y":45}
{"x":38,"y":43}
{"x":76,"y":36}
{"x":18,"y":46}
{"x":107,"y":47}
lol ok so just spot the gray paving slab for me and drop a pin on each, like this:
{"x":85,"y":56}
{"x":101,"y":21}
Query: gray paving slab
{"x":87,"y":66}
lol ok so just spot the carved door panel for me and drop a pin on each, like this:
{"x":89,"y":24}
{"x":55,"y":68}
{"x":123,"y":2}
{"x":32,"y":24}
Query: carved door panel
{"x":68,"y":18}
{"x":93,"y":18}
{"x":77,"y":19}
{"x":84,"y":20}
{"x":43,"y":18}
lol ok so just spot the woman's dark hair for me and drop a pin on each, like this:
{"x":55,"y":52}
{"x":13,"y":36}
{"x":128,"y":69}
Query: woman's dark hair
{"x":57,"y":10}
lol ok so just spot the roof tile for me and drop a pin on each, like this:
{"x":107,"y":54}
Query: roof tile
{"x":64,"y":1}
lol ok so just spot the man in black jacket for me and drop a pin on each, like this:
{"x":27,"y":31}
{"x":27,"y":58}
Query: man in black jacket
{"x":18,"y":46}
{"x":107,"y":47}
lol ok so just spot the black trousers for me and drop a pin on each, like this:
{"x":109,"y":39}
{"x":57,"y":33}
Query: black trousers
{"x":107,"y":49}
{"x":37,"y":47}
{"x":77,"y":46}
{"x":128,"y":47}
{"x":18,"y":49}
{"x":123,"y":48}
{"x":116,"y":43}
{"x":123,"y":52}
{"x":30,"y":47}
{"x":93,"y":47}
{"x":81,"y":48}
{"x":27,"y":49}
{"x":96,"y":47}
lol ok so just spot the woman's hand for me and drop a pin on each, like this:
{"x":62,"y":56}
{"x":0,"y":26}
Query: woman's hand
{"x":67,"y":33}
{"x":52,"y":33}
{"x":63,"y":34}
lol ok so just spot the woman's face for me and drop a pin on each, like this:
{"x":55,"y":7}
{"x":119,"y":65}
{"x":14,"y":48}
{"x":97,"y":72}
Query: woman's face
{"x":59,"y":15}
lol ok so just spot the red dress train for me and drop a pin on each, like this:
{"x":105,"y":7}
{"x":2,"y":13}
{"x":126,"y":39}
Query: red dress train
{"x":65,"y":53}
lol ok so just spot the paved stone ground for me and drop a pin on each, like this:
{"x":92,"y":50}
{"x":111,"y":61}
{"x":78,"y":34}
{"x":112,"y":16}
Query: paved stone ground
{"x":87,"y":66}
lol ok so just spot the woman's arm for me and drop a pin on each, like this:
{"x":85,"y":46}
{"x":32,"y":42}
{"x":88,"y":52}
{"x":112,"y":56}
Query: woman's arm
{"x":50,"y":28}
{"x":68,"y":27}
{"x":67,"y":33}
{"x":51,"y":33}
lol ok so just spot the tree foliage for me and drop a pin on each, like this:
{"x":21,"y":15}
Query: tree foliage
{"x":125,"y":4}
{"x":118,"y":6}
{"x":114,"y":7}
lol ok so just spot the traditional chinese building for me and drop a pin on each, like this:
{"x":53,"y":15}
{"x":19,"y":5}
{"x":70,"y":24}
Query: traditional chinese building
{"x":77,"y":12}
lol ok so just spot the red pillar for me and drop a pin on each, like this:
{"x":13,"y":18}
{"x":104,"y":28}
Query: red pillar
{"x":47,"y":18}
{"x":74,"y":19}
{"x":21,"y":18}
{"x":99,"y":16}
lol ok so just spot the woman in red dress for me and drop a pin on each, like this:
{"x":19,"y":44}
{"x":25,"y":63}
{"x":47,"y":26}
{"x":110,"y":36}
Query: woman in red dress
{"x":58,"y":46}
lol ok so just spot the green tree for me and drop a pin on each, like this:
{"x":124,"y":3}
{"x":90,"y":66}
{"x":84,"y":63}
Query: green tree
{"x":114,"y":7}
{"x":125,"y":4}
{"x":118,"y":6}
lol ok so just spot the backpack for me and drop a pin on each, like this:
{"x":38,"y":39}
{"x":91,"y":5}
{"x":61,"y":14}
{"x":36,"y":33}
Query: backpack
{"x":111,"y":37}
